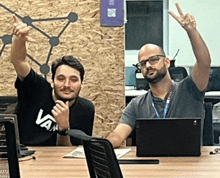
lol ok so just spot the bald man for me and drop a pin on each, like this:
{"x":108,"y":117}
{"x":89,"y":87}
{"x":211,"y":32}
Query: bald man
{"x":166,"y":98}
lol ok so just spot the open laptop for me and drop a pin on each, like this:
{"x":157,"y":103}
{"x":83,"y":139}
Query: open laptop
{"x":168,"y":137}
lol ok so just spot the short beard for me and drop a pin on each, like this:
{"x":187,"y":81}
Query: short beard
{"x":65,"y":99}
{"x":158,"y":77}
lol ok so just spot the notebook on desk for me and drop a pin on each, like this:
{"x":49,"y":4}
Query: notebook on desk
{"x":168,"y":137}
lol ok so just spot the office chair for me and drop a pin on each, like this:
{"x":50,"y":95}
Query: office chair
{"x":214,"y":78}
{"x":100,"y":156}
{"x":208,"y":134}
{"x":216,"y":129}
{"x":6,"y":102}
{"x":9,"y":166}
{"x":178,"y":73}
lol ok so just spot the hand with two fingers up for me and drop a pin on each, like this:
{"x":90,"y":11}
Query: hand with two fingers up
{"x":187,"y":21}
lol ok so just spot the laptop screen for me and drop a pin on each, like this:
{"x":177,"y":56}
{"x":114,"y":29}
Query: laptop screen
{"x":168,"y":137}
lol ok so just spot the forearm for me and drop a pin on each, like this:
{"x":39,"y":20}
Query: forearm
{"x":117,"y":136}
{"x":201,"y":70}
{"x":18,"y":50}
{"x":200,"y":49}
{"x":17,"y":58}
{"x":115,"y":139}
{"x":63,"y":140}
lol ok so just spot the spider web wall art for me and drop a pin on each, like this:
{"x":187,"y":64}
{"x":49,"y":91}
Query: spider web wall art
{"x":52,"y":40}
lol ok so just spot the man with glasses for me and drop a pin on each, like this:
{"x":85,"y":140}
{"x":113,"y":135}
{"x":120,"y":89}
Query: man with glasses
{"x":166,"y":98}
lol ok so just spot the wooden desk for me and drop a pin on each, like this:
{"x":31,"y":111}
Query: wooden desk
{"x":50,"y":163}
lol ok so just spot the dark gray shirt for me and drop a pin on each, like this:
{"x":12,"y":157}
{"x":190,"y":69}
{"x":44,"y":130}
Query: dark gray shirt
{"x":186,"y":101}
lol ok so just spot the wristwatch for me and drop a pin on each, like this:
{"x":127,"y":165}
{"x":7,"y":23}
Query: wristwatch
{"x":62,"y":132}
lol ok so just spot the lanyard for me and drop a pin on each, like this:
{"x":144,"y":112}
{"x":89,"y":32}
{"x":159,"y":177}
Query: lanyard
{"x":165,"y":108}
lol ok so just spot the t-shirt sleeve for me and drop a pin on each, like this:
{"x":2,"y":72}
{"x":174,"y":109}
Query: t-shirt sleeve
{"x":192,"y":88}
{"x":27,"y":79}
{"x":129,"y":114}
{"x":31,"y":86}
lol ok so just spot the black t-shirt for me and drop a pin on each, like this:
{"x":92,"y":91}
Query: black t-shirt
{"x":37,"y":127}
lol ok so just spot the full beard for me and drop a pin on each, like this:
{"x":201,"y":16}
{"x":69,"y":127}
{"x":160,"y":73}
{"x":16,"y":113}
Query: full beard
{"x":158,"y":77}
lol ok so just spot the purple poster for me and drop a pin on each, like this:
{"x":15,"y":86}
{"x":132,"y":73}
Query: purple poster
{"x":112,"y":12}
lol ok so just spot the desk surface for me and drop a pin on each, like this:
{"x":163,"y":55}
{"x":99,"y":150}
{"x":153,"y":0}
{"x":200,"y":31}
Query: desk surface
{"x":50,"y":163}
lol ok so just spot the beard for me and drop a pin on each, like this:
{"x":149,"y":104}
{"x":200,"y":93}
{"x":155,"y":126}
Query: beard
{"x":65,"y":99}
{"x":158,"y":77}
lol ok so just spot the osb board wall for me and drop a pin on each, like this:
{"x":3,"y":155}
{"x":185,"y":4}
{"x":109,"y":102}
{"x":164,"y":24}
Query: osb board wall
{"x":100,"y":50}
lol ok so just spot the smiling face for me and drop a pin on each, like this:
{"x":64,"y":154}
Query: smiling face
{"x":67,"y":83}
{"x":156,"y":72}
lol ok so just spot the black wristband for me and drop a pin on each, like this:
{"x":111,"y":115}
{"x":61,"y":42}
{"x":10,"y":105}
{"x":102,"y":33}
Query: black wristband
{"x":62,"y":132}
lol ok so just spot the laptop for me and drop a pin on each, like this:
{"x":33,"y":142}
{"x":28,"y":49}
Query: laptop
{"x":168,"y":137}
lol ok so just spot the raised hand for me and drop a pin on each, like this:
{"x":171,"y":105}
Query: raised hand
{"x":21,"y":30}
{"x":187,"y":21}
{"x":61,"y":114}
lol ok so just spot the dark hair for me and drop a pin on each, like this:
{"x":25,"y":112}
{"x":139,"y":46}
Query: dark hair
{"x":70,"y":61}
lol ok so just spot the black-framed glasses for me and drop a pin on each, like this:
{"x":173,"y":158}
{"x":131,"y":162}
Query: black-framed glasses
{"x":152,"y":60}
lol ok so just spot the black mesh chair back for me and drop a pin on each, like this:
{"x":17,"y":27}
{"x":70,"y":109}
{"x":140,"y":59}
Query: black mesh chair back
{"x":7,"y":104}
{"x":208,"y":132}
{"x":178,"y":73}
{"x":100,"y":156}
{"x":9,"y":166}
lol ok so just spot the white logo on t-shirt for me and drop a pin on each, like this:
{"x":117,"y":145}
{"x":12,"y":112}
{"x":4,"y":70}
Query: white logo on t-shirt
{"x":47,"y":122}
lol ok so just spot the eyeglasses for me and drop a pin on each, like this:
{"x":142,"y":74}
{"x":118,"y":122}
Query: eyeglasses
{"x":152,"y":60}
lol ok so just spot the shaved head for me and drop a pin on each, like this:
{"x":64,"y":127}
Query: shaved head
{"x":148,"y":48}
{"x":153,"y":73}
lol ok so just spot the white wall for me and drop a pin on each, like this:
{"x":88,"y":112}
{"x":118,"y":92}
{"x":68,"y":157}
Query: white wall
{"x":207,"y":15}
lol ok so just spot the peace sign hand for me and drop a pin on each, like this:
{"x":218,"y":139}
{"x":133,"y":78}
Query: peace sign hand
{"x":21,"y":30}
{"x":187,"y":21}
